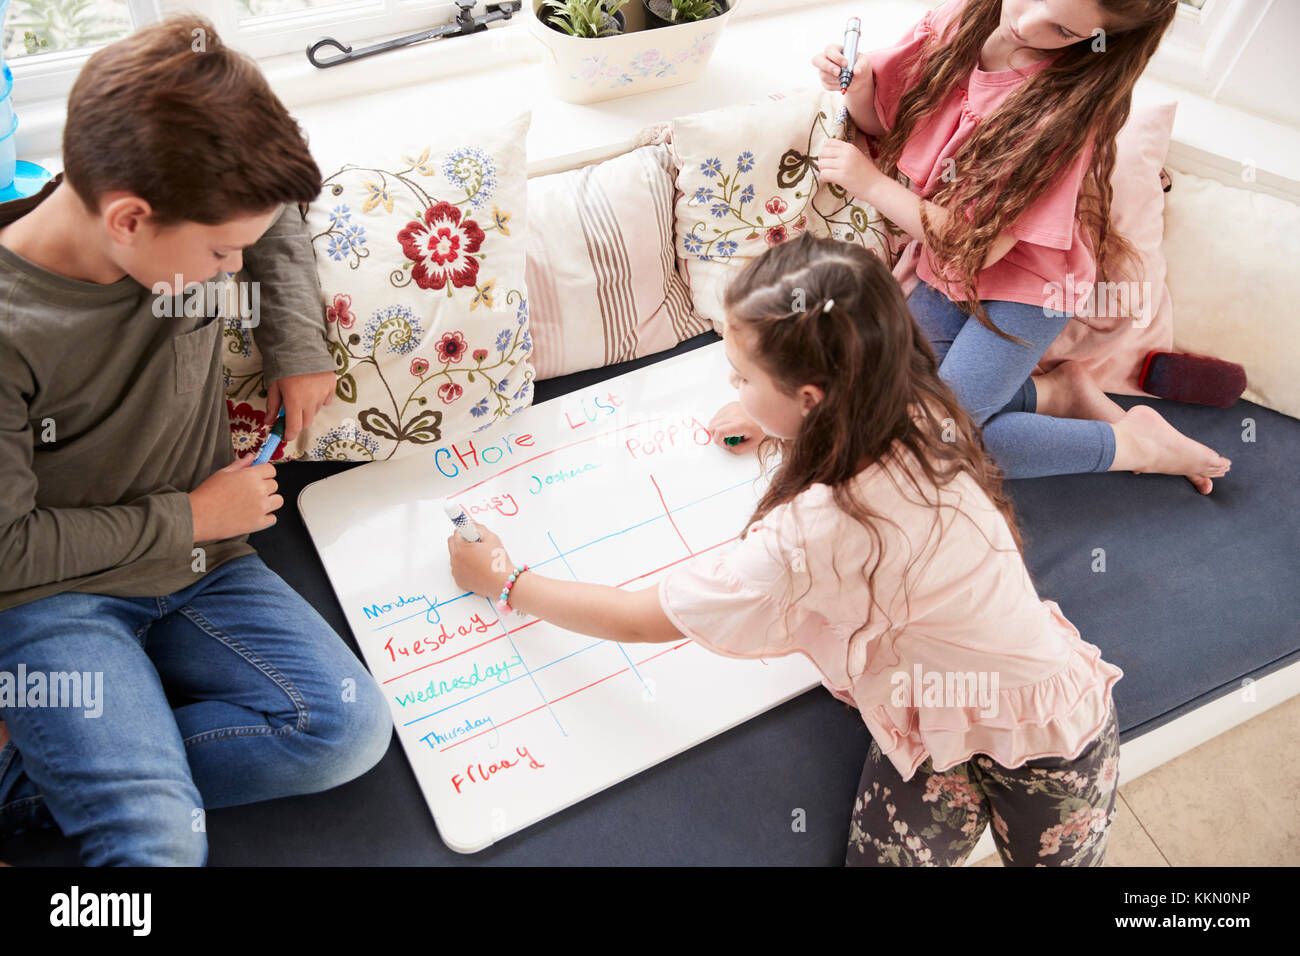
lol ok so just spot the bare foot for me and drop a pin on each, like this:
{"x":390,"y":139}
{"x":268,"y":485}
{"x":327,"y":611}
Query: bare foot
{"x":1144,"y":441}
{"x":1068,"y":391}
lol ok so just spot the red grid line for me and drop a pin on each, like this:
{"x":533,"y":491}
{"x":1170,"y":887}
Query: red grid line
{"x":495,"y":726}
{"x":516,"y":630}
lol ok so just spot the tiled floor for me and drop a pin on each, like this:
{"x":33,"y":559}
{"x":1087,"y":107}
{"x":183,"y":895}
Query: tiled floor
{"x":1233,"y":801}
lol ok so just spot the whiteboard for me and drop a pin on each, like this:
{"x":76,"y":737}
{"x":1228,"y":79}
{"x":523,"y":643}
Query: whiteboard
{"x":507,"y":719}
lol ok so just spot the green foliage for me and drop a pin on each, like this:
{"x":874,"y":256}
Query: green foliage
{"x":50,"y":25}
{"x":585,"y":18}
{"x":693,"y":10}
{"x":34,"y":44}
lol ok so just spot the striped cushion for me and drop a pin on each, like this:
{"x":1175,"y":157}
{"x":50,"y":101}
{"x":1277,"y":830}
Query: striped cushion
{"x":601,"y":275}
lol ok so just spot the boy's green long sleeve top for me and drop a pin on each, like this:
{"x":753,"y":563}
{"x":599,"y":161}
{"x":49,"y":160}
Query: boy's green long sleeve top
{"x":111,"y":415}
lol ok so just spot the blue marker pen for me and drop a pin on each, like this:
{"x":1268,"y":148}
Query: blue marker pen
{"x":272,"y":440}
{"x":461,"y":520}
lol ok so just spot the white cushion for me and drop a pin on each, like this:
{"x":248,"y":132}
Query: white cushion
{"x":1234,"y":281}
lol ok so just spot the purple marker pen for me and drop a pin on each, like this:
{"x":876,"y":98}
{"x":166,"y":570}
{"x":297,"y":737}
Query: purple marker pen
{"x":461,"y":520}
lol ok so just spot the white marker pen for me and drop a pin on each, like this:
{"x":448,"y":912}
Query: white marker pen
{"x":461,"y":520}
{"x":850,"y":48}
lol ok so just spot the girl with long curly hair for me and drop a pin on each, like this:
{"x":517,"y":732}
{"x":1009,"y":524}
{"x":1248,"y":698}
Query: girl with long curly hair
{"x":1009,"y":110}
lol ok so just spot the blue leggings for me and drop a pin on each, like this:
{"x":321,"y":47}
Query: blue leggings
{"x":991,"y":379}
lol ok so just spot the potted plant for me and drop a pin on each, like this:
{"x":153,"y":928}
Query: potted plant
{"x":587,"y":62}
{"x":667,"y":13}
{"x":585,"y":18}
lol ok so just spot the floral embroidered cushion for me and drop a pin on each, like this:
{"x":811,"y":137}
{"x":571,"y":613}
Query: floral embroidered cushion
{"x":602,"y":276}
{"x":748,"y":180}
{"x":421,"y":259}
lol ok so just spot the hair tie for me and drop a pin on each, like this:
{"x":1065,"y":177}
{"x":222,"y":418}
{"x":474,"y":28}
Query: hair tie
{"x":827,"y":307}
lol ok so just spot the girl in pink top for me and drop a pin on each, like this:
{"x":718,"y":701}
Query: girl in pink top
{"x":884,"y":550}
{"x":1008,"y":110}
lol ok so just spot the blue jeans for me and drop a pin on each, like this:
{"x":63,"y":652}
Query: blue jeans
{"x":272,"y":703}
{"x":991,"y":379}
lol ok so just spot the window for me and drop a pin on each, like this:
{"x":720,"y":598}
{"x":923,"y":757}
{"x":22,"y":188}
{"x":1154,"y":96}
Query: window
{"x":33,"y":27}
{"x":46,"y":41}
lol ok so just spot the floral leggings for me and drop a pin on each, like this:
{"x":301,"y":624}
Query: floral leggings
{"x":1047,"y":812}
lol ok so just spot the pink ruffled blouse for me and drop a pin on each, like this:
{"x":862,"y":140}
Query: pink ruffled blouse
{"x":1053,"y":245}
{"x":970,"y":661}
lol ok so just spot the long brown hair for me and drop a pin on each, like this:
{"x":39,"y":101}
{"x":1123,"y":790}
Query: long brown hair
{"x":173,"y":115}
{"x":1038,"y":131}
{"x":876,"y":369}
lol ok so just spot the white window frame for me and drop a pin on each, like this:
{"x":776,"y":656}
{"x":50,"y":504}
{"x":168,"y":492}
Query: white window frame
{"x":1202,"y":46}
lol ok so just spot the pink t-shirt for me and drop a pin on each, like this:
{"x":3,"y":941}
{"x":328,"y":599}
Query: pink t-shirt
{"x":1016,"y":680}
{"x":1053,"y":245}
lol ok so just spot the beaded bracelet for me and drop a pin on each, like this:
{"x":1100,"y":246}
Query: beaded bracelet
{"x":504,"y":599}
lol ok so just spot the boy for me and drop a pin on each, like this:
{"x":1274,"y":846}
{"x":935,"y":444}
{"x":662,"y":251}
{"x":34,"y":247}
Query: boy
{"x":124,"y":562}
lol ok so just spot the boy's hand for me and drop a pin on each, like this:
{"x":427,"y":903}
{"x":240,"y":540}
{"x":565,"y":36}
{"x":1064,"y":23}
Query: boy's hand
{"x":846,"y":165}
{"x":731,"y":419}
{"x":303,"y":396}
{"x":479,"y":566}
{"x":829,"y":63}
{"x":235,"y":500}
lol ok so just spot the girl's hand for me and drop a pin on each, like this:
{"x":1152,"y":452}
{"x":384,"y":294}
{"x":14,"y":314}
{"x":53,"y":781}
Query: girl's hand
{"x":732,"y":420}
{"x":479,"y":566}
{"x":829,"y":63}
{"x":845,"y":165}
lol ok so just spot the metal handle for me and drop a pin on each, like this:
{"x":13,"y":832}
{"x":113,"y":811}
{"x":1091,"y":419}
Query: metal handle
{"x":345,"y":52}
{"x":463,"y":24}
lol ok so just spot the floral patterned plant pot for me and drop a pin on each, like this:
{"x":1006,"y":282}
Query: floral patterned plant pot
{"x":586,"y":70}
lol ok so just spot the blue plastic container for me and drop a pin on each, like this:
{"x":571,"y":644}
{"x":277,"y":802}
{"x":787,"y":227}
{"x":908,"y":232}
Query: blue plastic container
{"x":17,"y":177}
{"x":6,"y":90}
{"x":8,"y":122}
{"x":8,"y":154}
